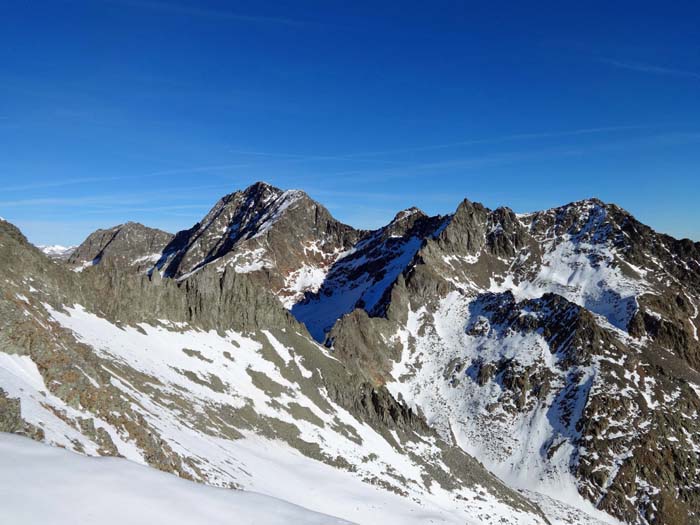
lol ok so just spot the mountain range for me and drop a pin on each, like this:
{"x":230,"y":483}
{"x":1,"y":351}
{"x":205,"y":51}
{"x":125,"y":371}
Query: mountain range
{"x":478,"y":367}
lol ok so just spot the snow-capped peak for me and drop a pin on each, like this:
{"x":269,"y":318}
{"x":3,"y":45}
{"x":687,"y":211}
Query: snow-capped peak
{"x":53,"y":249}
{"x":57,"y":251}
{"x":408,"y":212}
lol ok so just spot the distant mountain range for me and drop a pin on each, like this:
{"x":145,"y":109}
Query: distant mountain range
{"x":478,"y":367}
{"x":56,"y":251}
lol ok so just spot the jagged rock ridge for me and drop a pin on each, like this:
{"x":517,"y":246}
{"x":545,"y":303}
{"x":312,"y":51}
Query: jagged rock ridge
{"x":210,"y":378}
{"x":558,"y":347}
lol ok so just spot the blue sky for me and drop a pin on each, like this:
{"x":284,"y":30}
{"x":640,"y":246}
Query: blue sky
{"x":150,"y":110}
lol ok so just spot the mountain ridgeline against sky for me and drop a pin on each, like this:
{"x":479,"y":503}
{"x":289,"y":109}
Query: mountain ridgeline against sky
{"x":478,"y":367}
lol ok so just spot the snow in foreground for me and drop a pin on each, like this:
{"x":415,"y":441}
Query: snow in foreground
{"x":41,"y":484}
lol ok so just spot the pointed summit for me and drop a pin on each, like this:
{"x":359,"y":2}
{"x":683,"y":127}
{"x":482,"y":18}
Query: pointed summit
{"x":260,"y":185}
{"x":260,"y":192}
{"x":283,"y":238}
{"x":408,"y":212}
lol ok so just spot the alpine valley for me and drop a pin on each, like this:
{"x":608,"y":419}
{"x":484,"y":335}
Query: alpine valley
{"x":483,"y":367}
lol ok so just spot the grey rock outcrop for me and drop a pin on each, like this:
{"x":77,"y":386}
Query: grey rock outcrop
{"x":131,"y":247}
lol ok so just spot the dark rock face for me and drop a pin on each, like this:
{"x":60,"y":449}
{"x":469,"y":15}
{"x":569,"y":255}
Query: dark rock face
{"x":283,"y":239}
{"x":362,"y":278}
{"x":11,"y":419}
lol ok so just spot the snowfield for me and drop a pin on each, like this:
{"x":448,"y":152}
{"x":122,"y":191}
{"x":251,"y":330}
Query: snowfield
{"x":41,"y":484}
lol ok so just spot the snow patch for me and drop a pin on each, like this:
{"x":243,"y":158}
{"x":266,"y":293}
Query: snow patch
{"x":584,"y":274}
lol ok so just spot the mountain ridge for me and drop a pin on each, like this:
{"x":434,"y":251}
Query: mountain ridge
{"x":527,"y":340}
{"x":208,"y":376}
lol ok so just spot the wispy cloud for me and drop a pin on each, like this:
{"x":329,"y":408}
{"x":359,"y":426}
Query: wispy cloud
{"x":208,"y":12}
{"x":295,"y":157}
{"x":88,"y":180}
{"x":478,"y":163}
{"x":65,"y":201}
{"x":515,"y":137}
{"x":197,"y":169}
{"x":120,"y":201}
{"x":507,"y":138}
{"x":652,"y":68}
{"x":58,"y":183}
{"x":173,"y":208}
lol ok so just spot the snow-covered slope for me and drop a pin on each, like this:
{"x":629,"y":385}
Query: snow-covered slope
{"x":232,"y":408}
{"x":71,"y":489}
{"x":507,"y":393}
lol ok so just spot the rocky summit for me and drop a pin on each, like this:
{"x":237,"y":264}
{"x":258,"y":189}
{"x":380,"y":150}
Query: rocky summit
{"x":482,"y":367}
